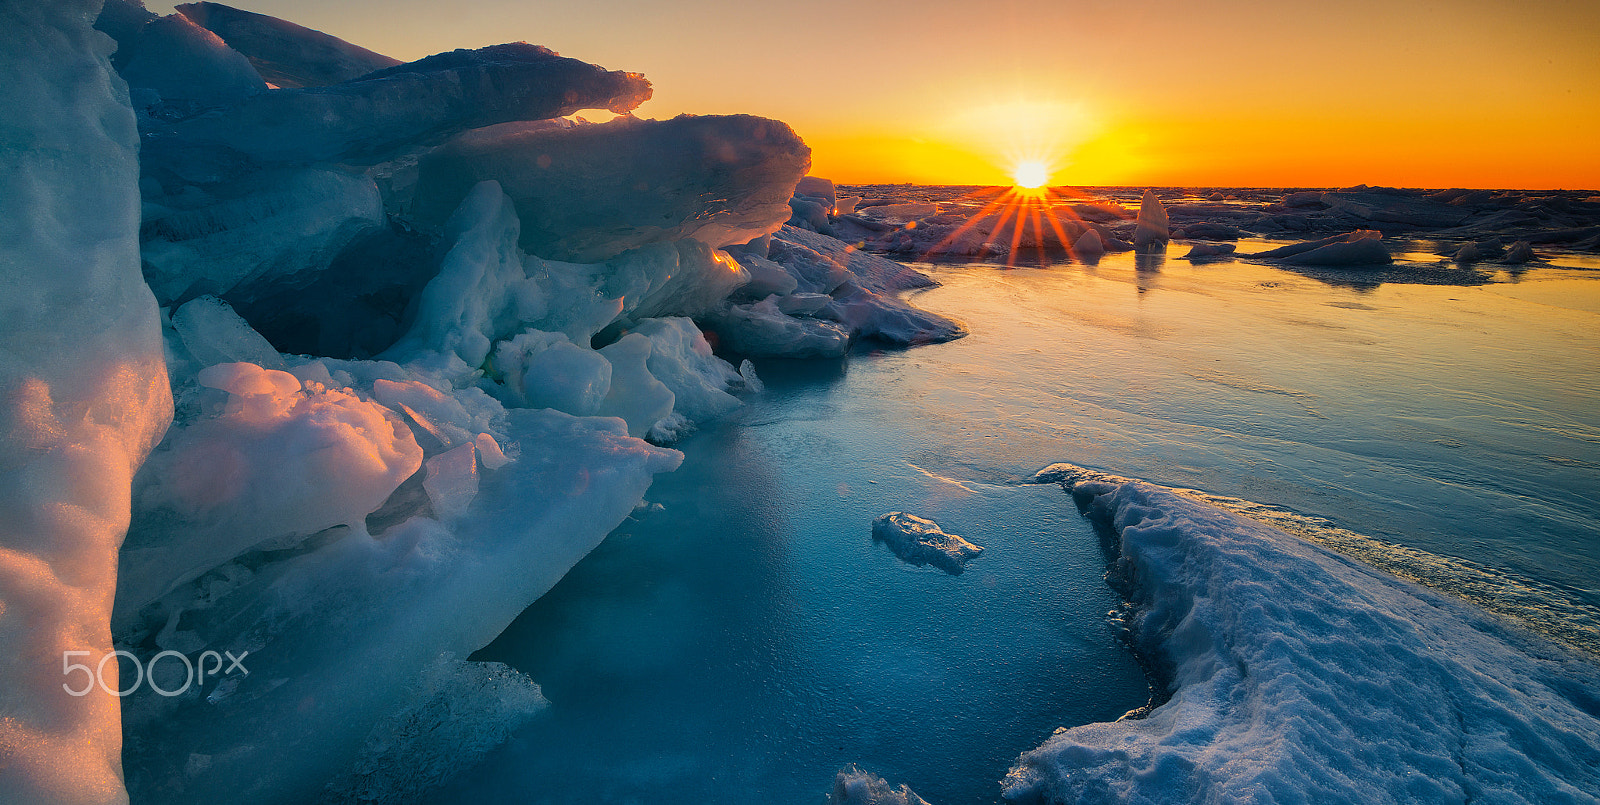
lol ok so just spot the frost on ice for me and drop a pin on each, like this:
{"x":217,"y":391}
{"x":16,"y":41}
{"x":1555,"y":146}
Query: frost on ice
{"x":1297,"y":674}
{"x":83,"y":393}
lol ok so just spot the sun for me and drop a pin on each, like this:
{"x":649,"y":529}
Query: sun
{"x":1031,"y":174}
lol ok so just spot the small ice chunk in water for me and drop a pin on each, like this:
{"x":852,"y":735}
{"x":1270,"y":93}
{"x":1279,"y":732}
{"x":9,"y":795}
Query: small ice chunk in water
{"x":853,"y":786}
{"x":1355,"y":250}
{"x":1150,"y":234}
{"x":752,"y":384}
{"x":920,"y":541}
{"x":1519,"y":252}
{"x":1089,"y":247}
{"x":1201,"y":250}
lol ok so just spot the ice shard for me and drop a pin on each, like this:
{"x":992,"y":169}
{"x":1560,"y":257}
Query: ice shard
{"x":288,"y":55}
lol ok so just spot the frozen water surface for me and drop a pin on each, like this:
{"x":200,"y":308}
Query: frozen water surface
{"x":748,"y":640}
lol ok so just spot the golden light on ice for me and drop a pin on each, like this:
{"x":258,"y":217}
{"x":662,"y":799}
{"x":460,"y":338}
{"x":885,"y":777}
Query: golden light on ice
{"x":1031,"y":174}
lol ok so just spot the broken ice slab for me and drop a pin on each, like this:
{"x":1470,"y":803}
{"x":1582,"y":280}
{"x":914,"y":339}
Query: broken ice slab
{"x":407,"y":107}
{"x":286,"y":54}
{"x":591,"y":192}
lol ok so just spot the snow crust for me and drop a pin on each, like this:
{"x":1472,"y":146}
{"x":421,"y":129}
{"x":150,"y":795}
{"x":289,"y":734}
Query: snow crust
{"x":1297,"y":674}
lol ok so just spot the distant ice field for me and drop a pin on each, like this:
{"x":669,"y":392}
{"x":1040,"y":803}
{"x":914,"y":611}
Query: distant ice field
{"x":748,"y":638}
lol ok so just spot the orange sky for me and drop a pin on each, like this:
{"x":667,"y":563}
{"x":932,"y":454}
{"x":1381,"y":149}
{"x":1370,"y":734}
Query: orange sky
{"x":1465,"y":93}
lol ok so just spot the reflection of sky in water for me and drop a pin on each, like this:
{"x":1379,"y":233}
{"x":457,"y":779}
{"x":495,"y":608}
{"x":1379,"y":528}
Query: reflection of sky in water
{"x":1458,"y":420}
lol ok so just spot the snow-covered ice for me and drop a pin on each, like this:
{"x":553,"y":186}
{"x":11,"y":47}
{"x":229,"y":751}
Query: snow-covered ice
{"x":1297,"y":674}
{"x":270,"y":460}
{"x":492,"y":329}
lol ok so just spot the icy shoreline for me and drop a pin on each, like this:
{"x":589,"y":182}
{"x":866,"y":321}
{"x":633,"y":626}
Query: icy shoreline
{"x":412,"y":381}
{"x":1300,"y":674}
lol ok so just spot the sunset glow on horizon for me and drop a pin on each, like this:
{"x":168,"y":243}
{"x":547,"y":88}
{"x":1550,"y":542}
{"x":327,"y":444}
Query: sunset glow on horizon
{"x":1031,"y":174}
{"x":1148,"y":93}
